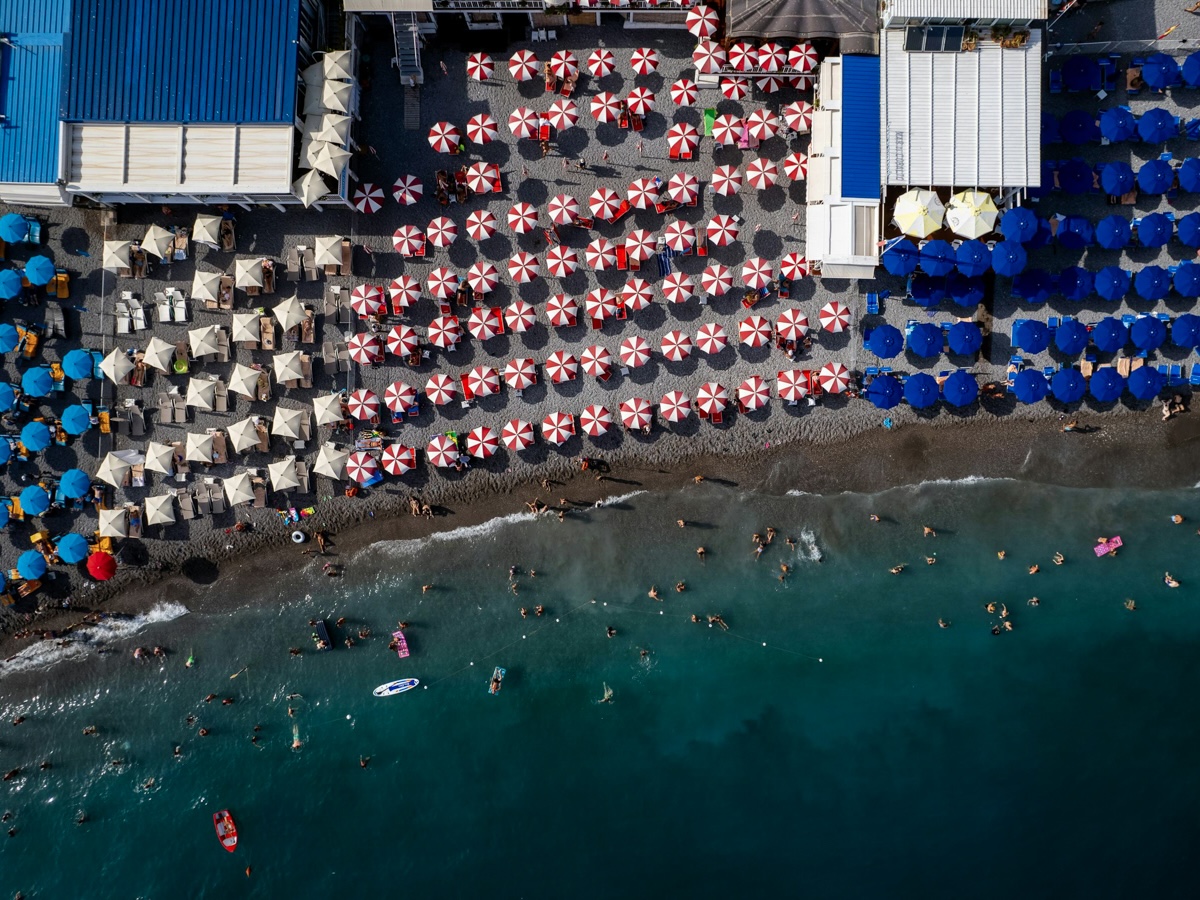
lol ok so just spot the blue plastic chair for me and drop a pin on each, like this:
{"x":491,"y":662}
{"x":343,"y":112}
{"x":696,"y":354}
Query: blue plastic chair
{"x":1056,"y":81}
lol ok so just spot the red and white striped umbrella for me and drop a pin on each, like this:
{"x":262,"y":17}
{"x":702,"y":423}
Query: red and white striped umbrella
{"x":407,"y":190}
{"x":834,"y":316}
{"x":634,"y":351}
{"x":441,"y":389}
{"x":712,"y":338}
{"x":678,"y":287}
{"x":368,"y":198}
{"x":517,"y":434}
{"x":743,"y":56}
{"x":563,"y":209}
{"x":753,"y":393}
{"x":761,"y":173}
{"x":802,"y":82}
{"x":561,"y":366}
{"x":682,"y":138}
{"x":644,"y":60}
{"x":770,"y":84}
{"x":402,"y":340}
{"x":483,"y":277}
{"x":485,"y":323}
{"x":676,"y":346}
{"x":523,"y":267}
{"x":561,"y":310}
{"x":640,"y":101}
{"x":794,"y":266}
{"x":712,"y":398}
{"x":523,"y":65}
{"x":482,"y":442}
{"x":723,"y":230}
{"x":606,"y":107}
{"x":520,"y":373}
{"x":675,"y":406}
{"x":637,"y":294}
{"x":803,"y":57}
{"x":561,"y":261}
{"x":791,"y":385}
{"x":756,"y":272}
{"x":361,"y":467}
{"x":680,"y":235}
{"x":523,"y":218}
{"x":643,"y":193}
{"x":367,"y":300}
{"x":480,"y":66}
{"x":792,"y":325}
{"x":445,"y":332}
{"x":523,"y":122}
{"x":601,"y":63}
{"x":795,"y":166}
{"x":480,"y":178}
{"x":519,"y":316}
{"x":595,"y":420}
{"x":600,"y":303}
{"x":596,"y":361}
{"x":363,"y":404}
{"x":636,"y":413}
{"x":709,"y":57}
{"x":483,"y":381}
{"x":727,"y":180}
{"x":735,"y":88}
{"x":481,"y":224}
{"x":727,"y":129}
{"x":442,"y":231}
{"x":702,"y":21}
{"x":683,"y":187}
{"x":563,"y":64}
{"x":557,"y":428}
{"x":444,"y":137}
{"x":798,"y":116}
{"x":600,"y":254}
{"x":400,"y":397}
{"x":442,"y":283}
{"x":641,"y":244}
{"x":404,"y":291}
{"x":407,"y":239}
{"x":754,"y":331}
{"x":563,"y":113}
{"x":716,"y":279}
{"x":604,"y":203}
{"x":442,"y":451}
{"x":762,"y":124}
{"x":771,"y":57}
{"x":833,"y":378}
{"x":399,"y":459}
{"x":684,"y":92}
{"x":365,"y":349}
{"x":482,"y":128}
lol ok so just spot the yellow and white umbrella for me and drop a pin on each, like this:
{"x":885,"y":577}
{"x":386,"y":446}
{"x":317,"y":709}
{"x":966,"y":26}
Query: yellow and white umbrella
{"x":972,"y":214}
{"x":919,"y":213}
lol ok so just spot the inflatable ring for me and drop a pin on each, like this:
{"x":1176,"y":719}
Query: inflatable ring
{"x":298,"y":537}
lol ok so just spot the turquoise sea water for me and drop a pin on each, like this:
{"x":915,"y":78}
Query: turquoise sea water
{"x":864,"y":751}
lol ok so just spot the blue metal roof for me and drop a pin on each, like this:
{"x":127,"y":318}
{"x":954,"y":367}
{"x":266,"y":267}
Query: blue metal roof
{"x":227,"y":61}
{"x":860,"y":127}
{"x":30,"y":83}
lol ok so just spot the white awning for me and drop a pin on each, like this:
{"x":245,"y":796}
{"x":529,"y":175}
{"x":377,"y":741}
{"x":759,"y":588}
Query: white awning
{"x":843,"y":237}
{"x":957,"y":10}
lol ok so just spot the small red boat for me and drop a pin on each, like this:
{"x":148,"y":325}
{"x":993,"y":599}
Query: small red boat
{"x":226,"y":829}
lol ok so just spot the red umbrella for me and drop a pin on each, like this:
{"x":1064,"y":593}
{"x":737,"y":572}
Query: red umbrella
{"x":365,"y":349}
{"x":522,"y":218}
{"x":680,"y":235}
{"x":445,"y":332}
{"x":754,"y":331}
{"x":442,"y":451}
{"x":407,"y":190}
{"x":833,"y":378}
{"x":678,"y":287}
{"x":400,"y":397}
{"x":675,"y":406}
{"x":742,"y":56}
{"x":641,"y":244}
{"x":792,"y":325}
{"x":363,"y":405}
{"x":716,"y":279}
{"x":523,"y":122}
{"x":735,"y":88}
{"x":702,"y":21}
{"x":600,"y":303}
{"x":517,"y":434}
{"x":480,"y":66}
{"x":684,"y":92}
{"x":481,"y":224}
{"x":834,"y":316}
{"x":794,"y":266}
{"x":563,"y":209}
{"x":101,"y":566}
{"x":442,"y":232}
{"x":520,"y":374}
{"x":561,"y":366}
{"x":483,"y":277}
{"x":367,"y":300}
{"x":795,"y":166}
{"x":727,"y":180}
{"x":762,"y":124}
{"x":756,"y":272}
{"x":723,"y":230}
{"x":519,"y":316}
{"x":762,"y":173}
{"x":636,"y":414}
{"x":558,"y":427}
{"x":601,"y":63}
{"x":606,"y":107}
{"x":683,"y":188}
{"x":798,"y":116}
{"x":440,"y":389}
{"x":523,"y":66}
{"x":682,"y":138}
{"x":442,"y":283}
{"x":712,"y":398}
{"x":727,"y":129}
{"x":408,"y":240}
{"x":644,"y":60}
{"x":635,"y":351}
{"x":771,"y":57}
{"x":562,"y":310}
{"x":596,"y":361}
{"x":399,"y":459}
{"x":600,"y":254}
{"x":563,"y":113}
{"x":803,"y":57}
{"x":403,"y":341}
{"x":483,"y":381}
{"x":563,"y":64}
{"x":523,"y":267}
{"x":404,"y":291}
{"x":676,"y":346}
{"x":561,"y":261}
{"x":711,"y":338}
{"x":480,"y":178}
{"x":640,"y":101}
{"x":368,"y":198}
{"x":595,"y":420}
{"x":643,"y":193}
{"x":604,"y":203}
{"x":791,"y":385}
{"x":637,"y":294}
{"x":769,"y":84}
{"x":444,"y":137}
{"x":709,"y":57}
{"x":753,"y":393}
{"x":485,"y":322}
{"x":482,"y":442}
{"x":361,"y":467}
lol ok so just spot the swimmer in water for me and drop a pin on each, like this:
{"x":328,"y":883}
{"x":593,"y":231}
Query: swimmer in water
{"x":1033,"y":570}
{"x":296,"y":742}
{"x":942,"y":623}
{"x":680,"y":587}
{"x":999,"y":554}
{"x":1059,"y":559}
{"x":991,"y":607}
{"x":1169,"y":581}
{"x":653,"y":593}
{"x":610,"y":631}
{"x":930,"y":560}
{"x":539,"y":609}
{"x":896,"y":570}
{"x":700,"y":551}
{"x":1130,"y":605}
{"x":1034,"y":601}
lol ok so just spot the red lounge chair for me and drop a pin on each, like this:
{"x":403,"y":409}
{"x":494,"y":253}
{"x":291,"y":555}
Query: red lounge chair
{"x":622,"y":211}
{"x":674,"y":152}
{"x":466,"y":389}
{"x":623,"y":121}
{"x":622,"y":258}
{"x":715,"y":418}
{"x":622,"y":312}
{"x":638,"y":123}
{"x":420,"y":251}
{"x":702,"y":247}
{"x":544,"y":133}
{"x":597,"y":324}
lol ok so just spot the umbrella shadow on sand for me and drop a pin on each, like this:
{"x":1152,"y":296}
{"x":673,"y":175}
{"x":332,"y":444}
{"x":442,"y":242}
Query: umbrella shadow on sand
{"x":199,"y":570}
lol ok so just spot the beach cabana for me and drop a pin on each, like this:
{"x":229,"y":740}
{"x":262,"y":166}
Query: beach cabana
{"x":331,"y":462}
{"x":114,"y":523}
{"x":160,"y":510}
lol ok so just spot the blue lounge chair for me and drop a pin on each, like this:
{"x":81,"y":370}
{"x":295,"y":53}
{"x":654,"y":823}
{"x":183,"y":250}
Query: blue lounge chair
{"x":1049,"y":371}
{"x":871,"y":371}
{"x":1176,"y":377}
{"x":1108,"y":73}
{"x":1195,"y":379}
{"x":1056,"y":81}
{"x":872,"y":304}
{"x":885,"y":370}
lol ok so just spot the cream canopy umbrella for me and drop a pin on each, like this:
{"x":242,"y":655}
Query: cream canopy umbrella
{"x":248,"y":272}
{"x":200,"y":448}
{"x":207,"y":230}
{"x":242,"y":435}
{"x":243,"y":380}
{"x":288,"y":366}
{"x":113,"y":469}
{"x":201,"y":393}
{"x":331,"y":462}
{"x":327,"y":251}
{"x":157,"y":241}
{"x":116,"y":366}
{"x":160,"y":458}
{"x":114,"y":523}
{"x":245,"y":327}
{"x":116,"y":254}
{"x":972,"y":214}
{"x":203,"y":340}
{"x":329,"y":127}
{"x":919,"y":213}
{"x":289,"y":313}
{"x":239,"y":489}
{"x":328,"y":158}
{"x":336,"y":95}
{"x":336,"y":64}
{"x":313,"y":76}
{"x":205,"y":285}
{"x":283,"y":474}
{"x":328,"y":408}
{"x":160,"y":510}
{"x":159,"y":354}
{"x":310,"y":187}
{"x":289,"y":422}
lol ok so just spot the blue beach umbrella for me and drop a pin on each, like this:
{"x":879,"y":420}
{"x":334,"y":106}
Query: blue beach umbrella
{"x":926,"y":290}
{"x":1155,"y":230}
{"x":1148,"y":332}
{"x":1189,"y":175}
{"x":937,"y":257}
{"x":1152,"y":283}
{"x":885,"y":391}
{"x":9,"y":338}
{"x":964,"y":338}
{"x":7,"y":396}
{"x":72,"y":548}
{"x":1117,"y":179}
{"x":1187,"y":230}
{"x":1068,"y":385}
{"x":1187,"y":280}
{"x":1160,"y":71}
{"x":1079,"y":127}
{"x":921,"y":390}
{"x":76,"y":420}
{"x":1185,"y":330}
{"x":39,"y":270}
{"x":1030,"y":386}
{"x":5,"y":452}
{"x":1155,"y":176}
{"x":1112,"y":282}
{"x":31,"y":565}
{"x":973,"y":258}
{"x":10,"y":284}
{"x":35,"y":436}
{"x":1075,"y":232}
{"x":1075,"y":176}
{"x":79,"y":364}
{"x":1071,"y":337}
{"x":1050,"y":132}
{"x":1145,"y":382}
{"x":960,"y":388}
{"x":35,"y":500}
{"x":885,"y":341}
{"x":1008,"y":258}
{"x":1110,"y":335}
{"x":1113,"y":232}
{"x":4,"y":515}
{"x":14,"y":228}
{"x":1117,"y":124}
{"x":37,"y":381}
{"x":1106,"y":384}
{"x":1157,"y":125}
{"x":1032,"y":336}
{"x":1033,"y":285}
{"x":1019,"y":224}
{"x":1080,"y":73}
{"x":74,"y":483}
{"x":925,"y":339}
{"x":900,"y":258}
{"x":1191,"y":69}
{"x":1041,"y":238}
{"x":964,"y":291}
{"x":1075,"y":283}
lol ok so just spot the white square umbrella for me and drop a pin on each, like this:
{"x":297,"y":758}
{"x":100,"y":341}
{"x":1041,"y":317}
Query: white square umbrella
{"x":239,"y":489}
{"x":116,"y":254}
{"x":243,"y":380}
{"x":328,"y":408}
{"x":157,"y":241}
{"x":288,"y":366}
{"x":289,"y":313}
{"x":330,"y":127}
{"x":283,"y":474}
{"x":159,"y":354}
{"x":248,"y":273}
{"x":205,"y":285}
{"x":116,"y":366}
{"x":203,"y":340}
{"x":200,"y":448}
{"x":242,"y":435}
{"x":310,"y":187}
{"x":331,"y":462}
{"x":328,"y":158}
{"x":327,"y":251}
{"x":288,"y":423}
{"x":245,"y":327}
{"x":160,"y":457}
{"x":336,"y":64}
{"x":160,"y":510}
{"x":113,"y":469}
{"x":201,"y":393}
{"x":207,"y":230}
{"x":114,"y":523}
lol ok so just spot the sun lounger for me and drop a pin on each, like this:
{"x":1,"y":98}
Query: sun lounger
{"x":180,"y":407}
{"x":306,"y":368}
{"x":228,"y":237}
{"x":178,"y":308}
{"x":347,"y":258}
{"x":122,"y":319}
{"x":222,"y":345}
{"x":165,"y":410}
{"x":221,"y":398}
{"x":260,"y":493}
{"x":187,"y":503}
{"x":343,"y":356}
{"x":204,"y":500}
{"x":332,"y":297}
{"x":302,"y":475}
{"x":291,"y":264}
{"x":216,"y":496}
{"x":137,"y":422}
{"x":329,"y":358}
{"x":220,"y":449}
{"x":134,"y":516}
{"x":308,"y":328}
{"x":308,"y":264}
{"x":266,"y":332}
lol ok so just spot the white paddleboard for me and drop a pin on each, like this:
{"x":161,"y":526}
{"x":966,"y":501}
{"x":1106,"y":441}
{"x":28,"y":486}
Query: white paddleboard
{"x":396,"y":687}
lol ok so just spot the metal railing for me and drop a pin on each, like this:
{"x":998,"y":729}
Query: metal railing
{"x":1106,"y":48}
